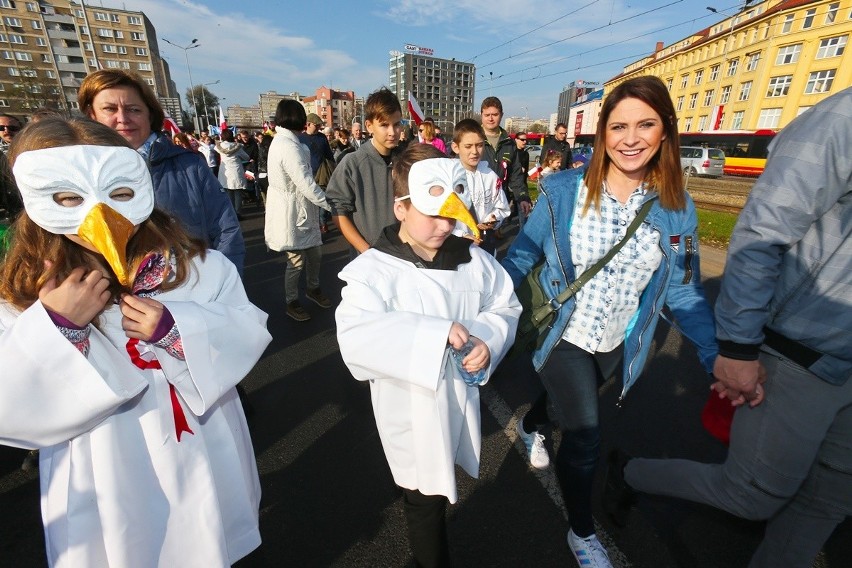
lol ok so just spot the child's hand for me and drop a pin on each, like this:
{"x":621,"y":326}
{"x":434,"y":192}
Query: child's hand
{"x":458,"y":335}
{"x":80,"y":297}
{"x":478,"y":358}
{"x":141,"y":316}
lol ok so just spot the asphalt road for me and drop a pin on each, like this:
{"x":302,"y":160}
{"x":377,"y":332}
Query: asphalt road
{"x":329,"y":499}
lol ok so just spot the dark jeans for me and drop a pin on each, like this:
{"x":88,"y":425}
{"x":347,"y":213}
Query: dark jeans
{"x":427,"y":528}
{"x":571,"y":377}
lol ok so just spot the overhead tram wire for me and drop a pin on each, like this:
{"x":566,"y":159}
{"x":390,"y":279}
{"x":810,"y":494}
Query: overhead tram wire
{"x":581,"y":34}
{"x":607,"y":46}
{"x":578,"y":68}
{"x":562,"y":17}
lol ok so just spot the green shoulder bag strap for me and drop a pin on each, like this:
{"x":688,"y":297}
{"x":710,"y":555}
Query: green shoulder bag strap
{"x":540,"y":313}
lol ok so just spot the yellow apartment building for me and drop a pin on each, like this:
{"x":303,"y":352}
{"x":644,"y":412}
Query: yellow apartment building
{"x":759,"y":68}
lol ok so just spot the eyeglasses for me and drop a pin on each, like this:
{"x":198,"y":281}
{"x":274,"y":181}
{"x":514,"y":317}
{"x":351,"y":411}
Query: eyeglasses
{"x":521,"y":139}
{"x":9,"y":127}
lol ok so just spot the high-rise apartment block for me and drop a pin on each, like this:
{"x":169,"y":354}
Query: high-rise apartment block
{"x":444,"y":88}
{"x":759,"y":68}
{"x":48,"y":47}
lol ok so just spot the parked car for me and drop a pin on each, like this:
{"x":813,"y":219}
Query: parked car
{"x":535,"y":154}
{"x":700,"y":161}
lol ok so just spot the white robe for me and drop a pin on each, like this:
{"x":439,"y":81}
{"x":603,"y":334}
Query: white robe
{"x":392,"y":326}
{"x":117,"y":488}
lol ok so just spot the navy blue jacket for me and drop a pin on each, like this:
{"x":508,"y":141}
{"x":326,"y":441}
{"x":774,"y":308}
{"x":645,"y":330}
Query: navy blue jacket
{"x":186,"y":189}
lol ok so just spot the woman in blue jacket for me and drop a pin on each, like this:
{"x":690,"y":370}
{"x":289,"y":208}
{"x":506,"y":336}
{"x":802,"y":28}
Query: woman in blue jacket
{"x":579,"y":216}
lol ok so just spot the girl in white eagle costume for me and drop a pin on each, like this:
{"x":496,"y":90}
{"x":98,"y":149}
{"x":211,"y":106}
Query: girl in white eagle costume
{"x":121,"y":341}
{"x":409,"y":300}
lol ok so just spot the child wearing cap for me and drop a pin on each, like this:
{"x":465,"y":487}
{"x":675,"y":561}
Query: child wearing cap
{"x":425,"y":317}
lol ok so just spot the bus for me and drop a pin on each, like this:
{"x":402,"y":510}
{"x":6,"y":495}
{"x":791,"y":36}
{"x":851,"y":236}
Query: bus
{"x":745,"y":150}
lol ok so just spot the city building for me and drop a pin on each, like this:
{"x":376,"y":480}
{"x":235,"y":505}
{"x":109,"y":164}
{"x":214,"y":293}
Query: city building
{"x":515,"y":124}
{"x":759,"y":68}
{"x":48,"y":47}
{"x":583,"y":115}
{"x":244,"y":117}
{"x":269,"y":103}
{"x":443,"y":88}
{"x":336,"y":108}
{"x":571,"y":94}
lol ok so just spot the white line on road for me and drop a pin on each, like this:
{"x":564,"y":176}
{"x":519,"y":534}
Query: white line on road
{"x":547,"y":477}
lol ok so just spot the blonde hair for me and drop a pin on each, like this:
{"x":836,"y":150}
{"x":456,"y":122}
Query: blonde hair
{"x":24,"y":272}
{"x":428,"y":131}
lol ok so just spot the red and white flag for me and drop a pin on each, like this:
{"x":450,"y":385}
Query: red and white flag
{"x":170,"y":126}
{"x":414,"y":109}
{"x":534,"y":173}
{"x":223,"y":124}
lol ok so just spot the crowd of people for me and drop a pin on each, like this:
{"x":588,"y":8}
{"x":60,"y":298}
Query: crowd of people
{"x":123,"y":270}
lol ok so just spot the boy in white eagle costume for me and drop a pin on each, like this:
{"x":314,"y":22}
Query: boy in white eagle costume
{"x":419,"y":293}
{"x":119,"y":362}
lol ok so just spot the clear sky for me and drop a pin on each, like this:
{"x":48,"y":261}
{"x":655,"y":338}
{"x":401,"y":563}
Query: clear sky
{"x":253,"y":46}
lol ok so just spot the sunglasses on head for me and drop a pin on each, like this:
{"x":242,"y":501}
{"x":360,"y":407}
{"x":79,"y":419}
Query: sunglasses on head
{"x":9,"y":127}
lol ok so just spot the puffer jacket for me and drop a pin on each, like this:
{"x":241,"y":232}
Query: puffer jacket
{"x":676,"y":283}
{"x":231,"y":171}
{"x":185,"y":188}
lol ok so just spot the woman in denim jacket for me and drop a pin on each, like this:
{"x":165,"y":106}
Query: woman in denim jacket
{"x":579,"y":216}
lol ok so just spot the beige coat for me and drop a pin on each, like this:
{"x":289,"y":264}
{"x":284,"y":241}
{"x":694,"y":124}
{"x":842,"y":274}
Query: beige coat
{"x":293,"y":198}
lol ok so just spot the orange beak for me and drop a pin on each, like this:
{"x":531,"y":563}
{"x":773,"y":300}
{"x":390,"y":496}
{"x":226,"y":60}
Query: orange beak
{"x":109,"y":232}
{"x":454,"y":208}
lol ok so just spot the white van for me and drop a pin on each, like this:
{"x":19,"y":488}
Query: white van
{"x":699,"y":161}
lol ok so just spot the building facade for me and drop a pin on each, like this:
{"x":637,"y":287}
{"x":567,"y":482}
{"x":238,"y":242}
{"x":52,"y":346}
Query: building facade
{"x":245,"y":117}
{"x":583,"y":115}
{"x":443,"y":88}
{"x":48,"y":48}
{"x":269,"y":100}
{"x":757,"y":69}
{"x":336,"y":108}
{"x":570,"y":95}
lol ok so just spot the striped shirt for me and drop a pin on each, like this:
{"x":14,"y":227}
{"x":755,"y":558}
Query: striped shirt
{"x":607,"y":303}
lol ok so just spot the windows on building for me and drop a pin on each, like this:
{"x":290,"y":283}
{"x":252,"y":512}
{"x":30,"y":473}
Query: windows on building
{"x":769,"y":118}
{"x":831,"y":47}
{"x":693,"y":98}
{"x":104,"y":32}
{"x":745,"y":90}
{"x":679,"y":106}
{"x":41,"y":42}
{"x":788,"y":54}
{"x":687,"y":124}
{"x":737,"y":119}
{"x":15,"y":38}
{"x":779,"y":86}
{"x":752,"y":59}
{"x":109,"y":48}
{"x":708,"y":97}
{"x":141,"y":51}
{"x":831,"y":14}
{"x":23,"y":56}
{"x":101,"y":17}
{"x":35,"y":24}
{"x":144,"y":67}
{"x":788,"y":23}
{"x":702,"y":122}
{"x":714,"y":73}
{"x":7,"y":4}
{"x":699,"y":75}
{"x":13,"y":22}
{"x":733,"y":65}
{"x":137,"y":36}
{"x":669,"y":83}
{"x":820,"y":82}
{"x":135,"y":20}
{"x":684,"y":80}
{"x":808,"y":22}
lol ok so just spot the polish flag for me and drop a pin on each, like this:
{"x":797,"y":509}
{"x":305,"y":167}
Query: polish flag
{"x":534,"y":173}
{"x":223,"y":124}
{"x":170,"y":126}
{"x":414,"y":109}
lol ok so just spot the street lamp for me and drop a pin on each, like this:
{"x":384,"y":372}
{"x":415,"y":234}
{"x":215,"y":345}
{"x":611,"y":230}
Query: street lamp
{"x":193,"y":44}
{"x":204,"y":101}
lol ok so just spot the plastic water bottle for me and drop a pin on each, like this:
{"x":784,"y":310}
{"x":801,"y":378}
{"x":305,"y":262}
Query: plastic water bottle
{"x":476,"y":378}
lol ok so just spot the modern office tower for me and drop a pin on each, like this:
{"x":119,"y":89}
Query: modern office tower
{"x":443,"y":88}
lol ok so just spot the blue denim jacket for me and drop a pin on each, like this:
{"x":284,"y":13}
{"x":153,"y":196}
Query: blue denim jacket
{"x":676,"y":283}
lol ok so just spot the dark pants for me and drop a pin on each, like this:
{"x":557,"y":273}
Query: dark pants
{"x":571,"y":377}
{"x":489,"y":241}
{"x":427,"y":528}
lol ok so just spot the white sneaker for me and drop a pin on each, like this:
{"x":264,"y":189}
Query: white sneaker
{"x":589,"y":552}
{"x":534,"y":442}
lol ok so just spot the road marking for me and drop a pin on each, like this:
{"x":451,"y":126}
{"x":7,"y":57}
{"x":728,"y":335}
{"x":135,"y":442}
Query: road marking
{"x":547,"y":477}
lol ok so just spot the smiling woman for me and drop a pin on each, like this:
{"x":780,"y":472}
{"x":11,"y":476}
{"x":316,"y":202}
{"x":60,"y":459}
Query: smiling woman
{"x":613,"y":317}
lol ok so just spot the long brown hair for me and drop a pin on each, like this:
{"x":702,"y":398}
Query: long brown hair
{"x":35,"y":256}
{"x":663,"y":172}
